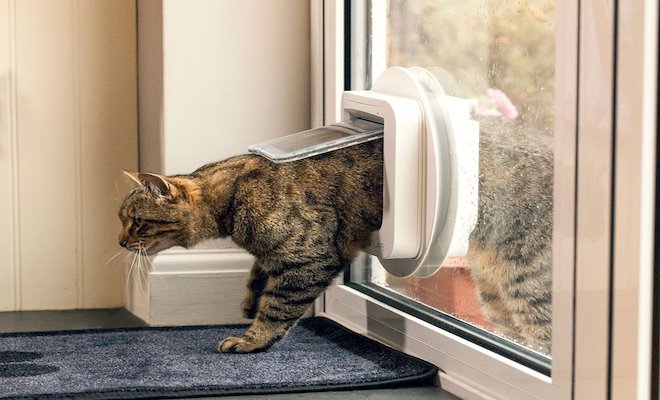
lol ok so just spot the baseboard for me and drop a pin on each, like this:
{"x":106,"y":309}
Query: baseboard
{"x":192,"y":287}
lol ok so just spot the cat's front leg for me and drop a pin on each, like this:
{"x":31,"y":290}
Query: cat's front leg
{"x":274,"y":318}
{"x":284,"y":300}
{"x":259,"y":337}
{"x":255,"y":286}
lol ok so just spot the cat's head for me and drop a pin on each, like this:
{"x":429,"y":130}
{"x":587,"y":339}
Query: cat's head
{"x":159,"y":213}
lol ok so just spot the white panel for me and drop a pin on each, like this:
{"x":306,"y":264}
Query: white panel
{"x":236,"y":73}
{"x":636,"y":131}
{"x":215,"y":77}
{"x":196,"y":287}
{"x":200,"y":286}
{"x":47,"y":119}
{"x":316,"y":58}
{"x":333,"y":69}
{"x":197,"y":298}
{"x":68,"y":125}
{"x":565,"y":171}
{"x":7,"y":157}
{"x":108,"y":111}
{"x":592,"y":278}
{"x":150,"y":70}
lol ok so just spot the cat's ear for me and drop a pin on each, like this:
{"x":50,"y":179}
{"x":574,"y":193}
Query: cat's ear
{"x":133,"y":176}
{"x":156,"y":184}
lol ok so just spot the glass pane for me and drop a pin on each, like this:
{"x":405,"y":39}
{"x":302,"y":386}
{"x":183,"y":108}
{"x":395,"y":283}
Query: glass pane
{"x":500,"y":55}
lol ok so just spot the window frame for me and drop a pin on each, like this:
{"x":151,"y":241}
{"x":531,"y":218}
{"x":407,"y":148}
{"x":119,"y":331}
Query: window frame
{"x":603,"y":217}
{"x":635,"y":204}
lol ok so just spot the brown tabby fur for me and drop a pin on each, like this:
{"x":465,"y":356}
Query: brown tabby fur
{"x":510,"y":252}
{"x":304,"y":221}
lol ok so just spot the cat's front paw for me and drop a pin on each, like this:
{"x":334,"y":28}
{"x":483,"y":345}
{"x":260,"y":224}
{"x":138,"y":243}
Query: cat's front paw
{"x":240,"y":345}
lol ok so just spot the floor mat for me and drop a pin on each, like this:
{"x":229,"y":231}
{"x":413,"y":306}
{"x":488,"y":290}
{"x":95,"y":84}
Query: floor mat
{"x":316,"y":355}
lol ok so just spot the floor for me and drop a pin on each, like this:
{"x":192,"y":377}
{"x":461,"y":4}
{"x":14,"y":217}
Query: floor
{"x":33,"y":321}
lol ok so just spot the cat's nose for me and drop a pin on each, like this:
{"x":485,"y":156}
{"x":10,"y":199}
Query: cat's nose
{"x":123,"y":243}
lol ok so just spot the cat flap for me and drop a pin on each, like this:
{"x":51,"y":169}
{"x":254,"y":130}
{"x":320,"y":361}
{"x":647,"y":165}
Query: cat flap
{"x":430,"y":152}
{"x":445,"y":145}
{"x":317,"y":141}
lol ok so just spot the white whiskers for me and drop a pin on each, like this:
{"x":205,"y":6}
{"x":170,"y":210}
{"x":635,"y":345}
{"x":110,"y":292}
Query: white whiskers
{"x":137,"y":265}
{"x":139,"y":269}
{"x":113,"y":257}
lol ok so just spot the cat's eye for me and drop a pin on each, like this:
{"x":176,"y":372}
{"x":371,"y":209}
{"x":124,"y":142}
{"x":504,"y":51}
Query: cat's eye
{"x":137,"y":221}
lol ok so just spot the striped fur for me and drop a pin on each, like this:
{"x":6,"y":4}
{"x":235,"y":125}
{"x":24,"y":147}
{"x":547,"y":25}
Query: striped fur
{"x":304,"y":222}
{"x":510,"y":250}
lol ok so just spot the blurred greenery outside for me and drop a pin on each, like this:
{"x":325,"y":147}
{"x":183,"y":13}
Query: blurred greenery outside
{"x":482,"y":44}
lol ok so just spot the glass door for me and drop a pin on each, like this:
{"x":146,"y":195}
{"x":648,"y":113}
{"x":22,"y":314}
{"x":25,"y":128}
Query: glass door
{"x":552,"y":299}
{"x":488,"y":316}
{"x":500,"y":56}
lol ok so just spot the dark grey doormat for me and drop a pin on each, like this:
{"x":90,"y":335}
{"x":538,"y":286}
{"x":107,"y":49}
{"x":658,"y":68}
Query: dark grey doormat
{"x":317,"y":355}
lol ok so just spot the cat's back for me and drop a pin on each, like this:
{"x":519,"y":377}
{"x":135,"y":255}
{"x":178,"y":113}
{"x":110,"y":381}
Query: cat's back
{"x":339,"y":175}
{"x":336,"y":194}
{"x":515,"y":189}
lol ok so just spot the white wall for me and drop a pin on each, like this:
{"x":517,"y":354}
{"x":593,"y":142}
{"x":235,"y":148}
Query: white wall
{"x":234,"y":72}
{"x":215,"y":77}
{"x":68,"y":125}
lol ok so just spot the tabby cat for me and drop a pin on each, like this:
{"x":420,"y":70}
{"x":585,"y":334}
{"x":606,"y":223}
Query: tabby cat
{"x":510,"y":251}
{"x":304,"y":221}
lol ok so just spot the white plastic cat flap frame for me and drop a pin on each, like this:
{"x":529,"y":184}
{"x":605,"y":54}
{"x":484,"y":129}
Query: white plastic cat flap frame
{"x":430,"y":174}
{"x":431,"y":155}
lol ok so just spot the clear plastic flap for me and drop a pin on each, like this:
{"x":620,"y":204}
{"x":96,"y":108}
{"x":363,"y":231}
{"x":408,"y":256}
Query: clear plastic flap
{"x":318,"y":141}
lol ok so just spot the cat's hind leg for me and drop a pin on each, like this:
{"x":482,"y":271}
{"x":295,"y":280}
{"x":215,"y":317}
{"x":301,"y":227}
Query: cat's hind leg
{"x":516,"y":297}
{"x":255,"y":286}
{"x":290,"y":290}
{"x":529,"y":291}
{"x":488,"y":272}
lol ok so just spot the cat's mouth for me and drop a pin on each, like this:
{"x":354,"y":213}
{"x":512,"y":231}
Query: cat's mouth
{"x":159,"y":245}
{"x":153,"y":247}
